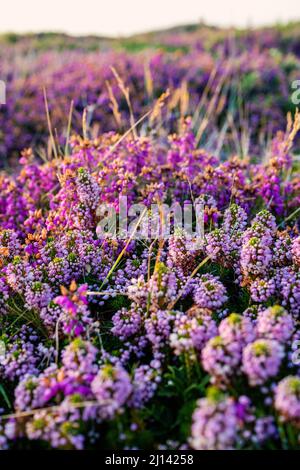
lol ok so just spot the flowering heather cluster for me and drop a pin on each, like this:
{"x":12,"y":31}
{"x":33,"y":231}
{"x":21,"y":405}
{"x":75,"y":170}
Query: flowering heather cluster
{"x":220,"y":422}
{"x":130,"y":343}
{"x":97,"y":331}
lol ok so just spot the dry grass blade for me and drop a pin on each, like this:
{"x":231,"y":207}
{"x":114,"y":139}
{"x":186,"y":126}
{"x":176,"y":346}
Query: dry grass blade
{"x":113,"y":147}
{"x":49,"y":124}
{"x":84,"y":124}
{"x":114,"y":105}
{"x":159,"y":104}
{"x":125,"y":91}
{"x":148,"y":80}
{"x":203,"y":262}
{"x":124,"y":249}
{"x":27,"y":413}
{"x":69,"y":128}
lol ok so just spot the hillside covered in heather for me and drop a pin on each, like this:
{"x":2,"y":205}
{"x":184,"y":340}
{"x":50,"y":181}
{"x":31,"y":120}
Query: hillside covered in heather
{"x":124,"y":325}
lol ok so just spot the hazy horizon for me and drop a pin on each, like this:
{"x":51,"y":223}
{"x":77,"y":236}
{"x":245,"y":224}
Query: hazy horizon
{"x":116,"y":18}
{"x":151,"y":30}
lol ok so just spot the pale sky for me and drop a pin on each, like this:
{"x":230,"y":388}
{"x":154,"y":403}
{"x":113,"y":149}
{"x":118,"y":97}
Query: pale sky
{"x":124,"y":17}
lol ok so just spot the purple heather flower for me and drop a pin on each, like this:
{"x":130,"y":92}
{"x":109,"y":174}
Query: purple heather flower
{"x":262,"y":289}
{"x":237,"y":329}
{"x":257,"y":241}
{"x":80,"y":357}
{"x":264,"y":429}
{"x":27,"y":393}
{"x":275,"y":323}
{"x":235,"y":220}
{"x":190,"y":334}
{"x":112,"y":388}
{"x":282,"y":255}
{"x":24,"y":355}
{"x":60,"y":428}
{"x":87,"y":188}
{"x":127,"y":323}
{"x":210,"y":292}
{"x":34,"y":391}
{"x":220,"y":359}
{"x":75,"y":313}
{"x":296,"y":251}
{"x":145,"y":382}
{"x":262,"y":360}
{"x":287,"y":399}
{"x":158,"y":328}
{"x":210,"y":209}
{"x":256,"y":257}
{"x":218,"y":422}
{"x":179,"y":253}
{"x":10,"y":245}
{"x":288,"y":282}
